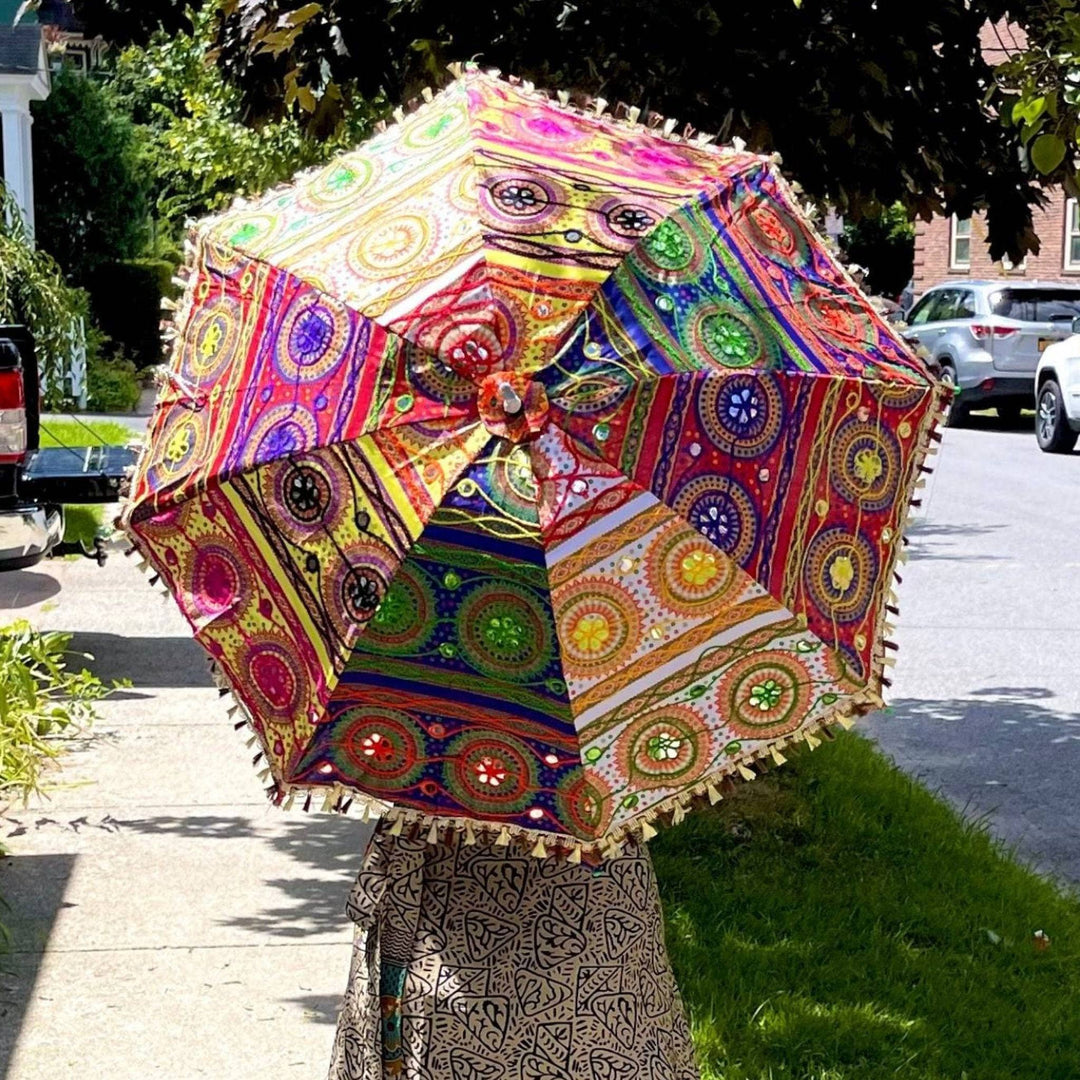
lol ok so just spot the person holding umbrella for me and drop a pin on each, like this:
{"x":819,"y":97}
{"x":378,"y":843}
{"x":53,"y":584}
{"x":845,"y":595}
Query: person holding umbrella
{"x":529,"y":474}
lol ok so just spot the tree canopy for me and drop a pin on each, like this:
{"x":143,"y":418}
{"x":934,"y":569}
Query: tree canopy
{"x":91,"y":190}
{"x":869,"y":103}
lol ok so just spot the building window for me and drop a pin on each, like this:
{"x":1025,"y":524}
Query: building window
{"x":960,"y":243}
{"x":1008,"y":267}
{"x":1072,"y":235}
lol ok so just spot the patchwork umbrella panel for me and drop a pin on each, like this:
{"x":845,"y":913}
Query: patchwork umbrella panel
{"x":565,"y":618}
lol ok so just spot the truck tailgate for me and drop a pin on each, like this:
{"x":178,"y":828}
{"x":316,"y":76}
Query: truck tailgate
{"x":79,"y":474}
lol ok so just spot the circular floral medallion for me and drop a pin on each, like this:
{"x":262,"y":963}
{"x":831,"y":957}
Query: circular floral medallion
{"x":511,"y":483}
{"x":626,"y":223}
{"x":340,"y":182}
{"x":765,"y":695}
{"x":405,"y":619}
{"x":354,"y":585}
{"x":211,"y":339}
{"x":490,"y":772}
{"x":250,"y":231}
{"x":307,"y":492}
{"x":777,"y":232}
{"x":180,"y":445}
{"x":840,"y":572}
{"x":428,"y":129}
{"x":599,"y":627}
{"x":865,"y":464}
{"x":435,"y":377}
{"x":218,"y":585}
{"x":687,"y":572}
{"x":669,"y":747}
{"x":836,"y":315}
{"x":281,"y":432}
{"x":505,"y":632}
{"x":472,"y":350}
{"x":276,"y":675}
{"x":669,"y":249}
{"x":730,"y":339}
{"x":313,"y":340}
{"x":384,"y":746}
{"x":742,"y":413}
{"x":391,"y":244}
{"x":520,"y":198}
{"x":721,"y":510}
{"x":584,"y":804}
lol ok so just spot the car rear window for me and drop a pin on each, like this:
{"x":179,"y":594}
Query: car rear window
{"x":1036,"y":305}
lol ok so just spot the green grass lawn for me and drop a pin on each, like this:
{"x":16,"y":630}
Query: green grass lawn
{"x":836,"y":921}
{"x":81,"y":523}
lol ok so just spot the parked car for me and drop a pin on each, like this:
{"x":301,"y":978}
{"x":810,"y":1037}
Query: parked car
{"x":987,"y":337}
{"x":1057,"y":395}
{"x":34,"y":483}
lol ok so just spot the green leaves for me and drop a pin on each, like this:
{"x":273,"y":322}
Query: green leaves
{"x":1028,"y":110}
{"x":33,"y":293}
{"x":1047,"y":153}
{"x":40,"y":701}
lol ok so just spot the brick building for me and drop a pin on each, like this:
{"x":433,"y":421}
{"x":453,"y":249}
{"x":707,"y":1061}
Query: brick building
{"x":948,"y":248}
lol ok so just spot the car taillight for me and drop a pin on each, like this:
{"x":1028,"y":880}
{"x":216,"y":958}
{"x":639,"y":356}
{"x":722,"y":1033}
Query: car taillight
{"x":12,"y":417}
{"x":982,"y":331}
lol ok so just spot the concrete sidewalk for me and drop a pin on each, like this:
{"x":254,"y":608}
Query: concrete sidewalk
{"x":167,"y":923}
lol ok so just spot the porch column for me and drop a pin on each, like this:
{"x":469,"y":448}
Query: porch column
{"x":18,"y":150}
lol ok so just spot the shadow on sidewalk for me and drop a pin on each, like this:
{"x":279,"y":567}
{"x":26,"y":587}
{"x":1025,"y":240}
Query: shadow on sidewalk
{"x":1003,"y":754}
{"x":25,"y":588}
{"x":306,"y":905}
{"x":150,"y":662}
{"x":32,"y":888}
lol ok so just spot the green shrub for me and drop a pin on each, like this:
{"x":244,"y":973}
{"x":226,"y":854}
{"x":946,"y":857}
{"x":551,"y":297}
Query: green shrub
{"x":41,"y":701}
{"x":126,"y":300}
{"x":112,"y":385}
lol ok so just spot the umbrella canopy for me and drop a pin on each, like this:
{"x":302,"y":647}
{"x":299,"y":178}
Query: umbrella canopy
{"x":531,"y":467}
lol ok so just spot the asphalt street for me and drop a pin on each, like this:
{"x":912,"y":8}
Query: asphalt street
{"x":985,"y":703}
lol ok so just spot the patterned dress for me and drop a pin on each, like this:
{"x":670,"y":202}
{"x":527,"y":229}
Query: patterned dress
{"x":481,"y":963}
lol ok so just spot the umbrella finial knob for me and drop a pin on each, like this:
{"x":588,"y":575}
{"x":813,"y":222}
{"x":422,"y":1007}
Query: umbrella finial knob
{"x":510,"y":398}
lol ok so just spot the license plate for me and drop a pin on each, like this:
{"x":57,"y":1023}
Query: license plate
{"x":1043,"y":342}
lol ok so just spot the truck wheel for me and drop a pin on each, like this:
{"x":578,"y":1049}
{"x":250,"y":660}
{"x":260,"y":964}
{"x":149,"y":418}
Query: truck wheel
{"x":1052,"y":429}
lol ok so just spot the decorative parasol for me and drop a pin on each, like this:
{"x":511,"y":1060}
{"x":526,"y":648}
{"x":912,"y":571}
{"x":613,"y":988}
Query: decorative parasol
{"x":531,"y":471}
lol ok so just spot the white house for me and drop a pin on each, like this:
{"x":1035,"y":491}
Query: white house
{"x":24,"y":77}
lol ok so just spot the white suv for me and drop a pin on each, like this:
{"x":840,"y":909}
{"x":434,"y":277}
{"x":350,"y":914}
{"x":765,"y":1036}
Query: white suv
{"x":1057,"y":395}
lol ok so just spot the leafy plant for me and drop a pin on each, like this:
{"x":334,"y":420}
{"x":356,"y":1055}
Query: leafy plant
{"x":91,"y":190}
{"x":199,"y":148}
{"x":868,"y":105}
{"x":112,"y":385}
{"x":885,"y":244}
{"x":41,"y":703}
{"x":33,"y":293}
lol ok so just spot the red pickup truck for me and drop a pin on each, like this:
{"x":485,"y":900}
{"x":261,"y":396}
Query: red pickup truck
{"x":35,"y":484}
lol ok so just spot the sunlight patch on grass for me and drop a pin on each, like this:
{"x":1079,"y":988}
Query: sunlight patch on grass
{"x":836,"y":921}
{"x":87,"y":433}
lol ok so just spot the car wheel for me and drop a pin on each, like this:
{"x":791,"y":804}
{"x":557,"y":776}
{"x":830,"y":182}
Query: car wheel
{"x":1051,"y":425}
{"x":958,"y":414}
